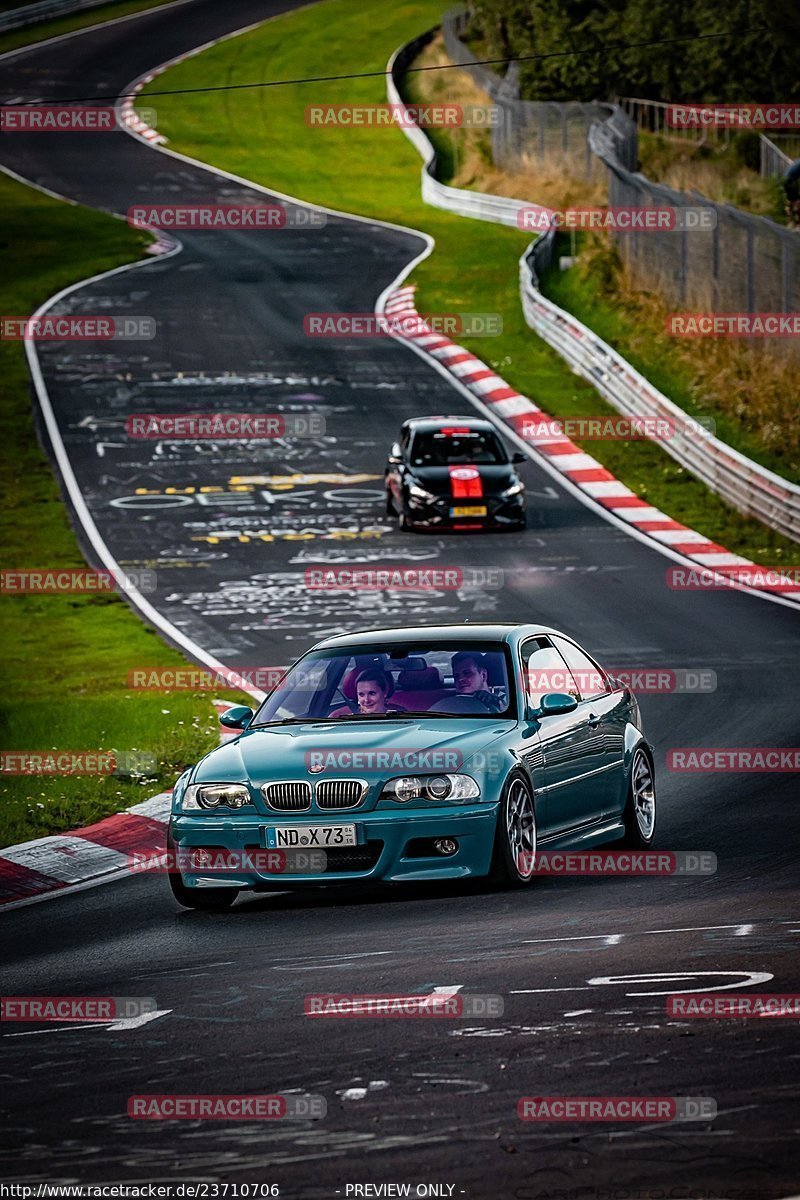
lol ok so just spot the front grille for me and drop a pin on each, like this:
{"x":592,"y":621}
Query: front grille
{"x":352,"y":858}
{"x":340,"y":793}
{"x":287,"y":797}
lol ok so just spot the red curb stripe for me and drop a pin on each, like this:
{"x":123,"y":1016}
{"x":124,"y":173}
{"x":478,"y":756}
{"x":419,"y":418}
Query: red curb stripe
{"x":503,"y":393}
{"x":652,"y":526}
{"x":556,"y":448}
{"x":623,"y":501}
{"x":17,"y":882}
{"x":694,"y":548}
{"x":126,"y":832}
{"x":592,"y":475}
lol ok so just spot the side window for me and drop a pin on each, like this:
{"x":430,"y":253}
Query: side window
{"x":590,"y":678}
{"x":405,"y":434}
{"x":545,"y":671}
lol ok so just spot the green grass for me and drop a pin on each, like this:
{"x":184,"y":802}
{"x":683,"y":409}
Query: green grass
{"x":66,"y":24}
{"x":261,"y":134}
{"x":65,"y":659}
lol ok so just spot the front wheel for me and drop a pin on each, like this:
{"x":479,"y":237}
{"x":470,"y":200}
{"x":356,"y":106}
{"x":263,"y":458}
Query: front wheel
{"x":513,"y":858}
{"x":640,"y":807}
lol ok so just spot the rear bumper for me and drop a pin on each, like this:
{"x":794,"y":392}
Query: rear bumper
{"x":392,"y":848}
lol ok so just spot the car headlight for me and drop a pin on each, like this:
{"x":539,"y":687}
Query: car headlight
{"x":202,"y":796}
{"x":515,"y":490}
{"x":419,"y":493}
{"x":431,"y":787}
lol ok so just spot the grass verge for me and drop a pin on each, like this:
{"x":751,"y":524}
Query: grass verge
{"x":93,"y":16}
{"x":66,"y":658}
{"x":263,"y":134}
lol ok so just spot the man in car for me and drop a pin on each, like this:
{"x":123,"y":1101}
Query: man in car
{"x":471,"y":677}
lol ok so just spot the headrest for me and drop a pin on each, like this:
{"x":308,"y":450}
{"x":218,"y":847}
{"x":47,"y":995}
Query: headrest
{"x":424,"y":680}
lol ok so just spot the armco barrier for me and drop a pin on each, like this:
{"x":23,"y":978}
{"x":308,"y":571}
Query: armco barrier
{"x":31,"y":14}
{"x":747,"y":486}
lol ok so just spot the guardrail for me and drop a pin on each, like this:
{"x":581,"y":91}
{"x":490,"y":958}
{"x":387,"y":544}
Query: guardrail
{"x":31,"y":14}
{"x":747,"y":486}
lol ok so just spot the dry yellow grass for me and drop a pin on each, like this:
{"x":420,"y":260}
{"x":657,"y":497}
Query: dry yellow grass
{"x":755,"y":388}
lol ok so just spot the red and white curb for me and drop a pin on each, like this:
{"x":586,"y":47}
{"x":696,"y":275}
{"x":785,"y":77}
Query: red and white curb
{"x":94,"y":853}
{"x":529,"y":423}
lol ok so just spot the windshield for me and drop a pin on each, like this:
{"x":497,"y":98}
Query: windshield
{"x":445,"y":448}
{"x":385,"y":682}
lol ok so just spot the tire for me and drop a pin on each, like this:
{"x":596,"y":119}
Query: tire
{"x":402,"y":519}
{"x":389,"y":504}
{"x":513,"y":856}
{"x":640,"y":807}
{"x":205,"y":899}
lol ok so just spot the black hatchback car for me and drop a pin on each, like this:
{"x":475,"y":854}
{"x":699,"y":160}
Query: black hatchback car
{"x":453,"y":473}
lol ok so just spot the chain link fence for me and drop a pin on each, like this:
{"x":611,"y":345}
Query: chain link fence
{"x":743,"y":264}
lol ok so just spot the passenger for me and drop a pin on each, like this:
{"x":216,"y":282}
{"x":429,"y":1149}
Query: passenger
{"x":471,"y":677}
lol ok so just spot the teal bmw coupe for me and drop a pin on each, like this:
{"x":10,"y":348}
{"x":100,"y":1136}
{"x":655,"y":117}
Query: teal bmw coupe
{"x":401,"y":755}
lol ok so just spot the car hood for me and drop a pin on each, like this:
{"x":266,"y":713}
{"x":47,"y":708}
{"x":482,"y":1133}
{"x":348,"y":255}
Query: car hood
{"x":439,"y":480}
{"x":364,"y":748}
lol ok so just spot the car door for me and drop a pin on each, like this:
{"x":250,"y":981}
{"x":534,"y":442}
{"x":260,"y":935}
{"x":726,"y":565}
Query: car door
{"x":396,"y":467}
{"x":606,"y":709}
{"x":568,"y":755}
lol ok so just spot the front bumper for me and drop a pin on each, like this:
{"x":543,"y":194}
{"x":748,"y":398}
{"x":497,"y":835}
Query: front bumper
{"x":500,"y":514}
{"x":392,"y":846}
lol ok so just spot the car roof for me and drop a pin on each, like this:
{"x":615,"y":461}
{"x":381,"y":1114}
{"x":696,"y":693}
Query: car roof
{"x":501,"y":632}
{"x":428,"y":424}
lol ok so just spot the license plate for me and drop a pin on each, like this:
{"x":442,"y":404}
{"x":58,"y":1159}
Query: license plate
{"x":469,"y":511}
{"x":311,"y":835}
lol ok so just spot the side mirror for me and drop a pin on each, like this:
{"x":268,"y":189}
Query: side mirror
{"x":395,"y":455}
{"x":519,"y":457}
{"x":238,"y":717}
{"x":553,"y":704}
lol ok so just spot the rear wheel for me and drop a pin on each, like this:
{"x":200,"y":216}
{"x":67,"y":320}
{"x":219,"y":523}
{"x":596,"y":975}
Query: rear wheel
{"x":640,"y":808}
{"x":206,"y":899}
{"x":513,"y":859}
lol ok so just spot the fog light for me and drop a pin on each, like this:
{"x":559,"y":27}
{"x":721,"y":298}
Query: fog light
{"x":446,"y":846}
{"x":199,"y":857}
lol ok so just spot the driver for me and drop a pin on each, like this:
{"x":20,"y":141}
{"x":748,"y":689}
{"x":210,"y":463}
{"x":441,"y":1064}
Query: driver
{"x":471,"y":677}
